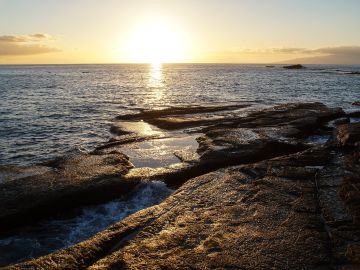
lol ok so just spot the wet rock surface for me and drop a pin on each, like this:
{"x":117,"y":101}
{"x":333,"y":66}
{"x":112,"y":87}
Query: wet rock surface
{"x":183,"y":117}
{"x":255,"y":194}
{"x":62,"y":184}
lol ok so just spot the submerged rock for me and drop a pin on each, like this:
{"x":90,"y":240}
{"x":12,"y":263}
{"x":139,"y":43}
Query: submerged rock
{"x":68,"y":183}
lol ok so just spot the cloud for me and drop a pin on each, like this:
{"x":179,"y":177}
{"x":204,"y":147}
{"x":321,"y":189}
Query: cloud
{"x":40,"y":36}
{"x":341,"y":50}
{"x":290,"y":50}
{"x":16,"y":45}
{"x":13,"y":49}
{"x":324,"y":55}
{"x":12,"y":39}
{"x":330,"y":55}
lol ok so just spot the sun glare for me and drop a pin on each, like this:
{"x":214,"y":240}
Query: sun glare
{"x":156,"y":44}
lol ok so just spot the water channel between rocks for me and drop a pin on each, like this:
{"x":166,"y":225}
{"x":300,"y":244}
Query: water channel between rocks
{"x":59,"y":232}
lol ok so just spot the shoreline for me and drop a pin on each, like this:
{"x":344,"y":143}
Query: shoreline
{"x":230,"y":145}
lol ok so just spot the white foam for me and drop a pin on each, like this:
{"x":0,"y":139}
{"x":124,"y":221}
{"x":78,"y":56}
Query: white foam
{"x":60,"y":233}
{"x":317,"y":139}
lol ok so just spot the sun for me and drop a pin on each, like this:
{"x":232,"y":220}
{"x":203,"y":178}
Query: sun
{"x":156,"y":44}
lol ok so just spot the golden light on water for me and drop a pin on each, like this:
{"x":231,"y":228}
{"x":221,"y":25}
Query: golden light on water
{"x":156,"y":82}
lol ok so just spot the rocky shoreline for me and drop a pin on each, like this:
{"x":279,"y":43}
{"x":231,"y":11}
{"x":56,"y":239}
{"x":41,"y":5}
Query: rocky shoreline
{"x":272,"y":188}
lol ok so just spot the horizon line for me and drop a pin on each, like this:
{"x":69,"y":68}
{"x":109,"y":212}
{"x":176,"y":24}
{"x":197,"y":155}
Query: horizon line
{"x":175,"y":63}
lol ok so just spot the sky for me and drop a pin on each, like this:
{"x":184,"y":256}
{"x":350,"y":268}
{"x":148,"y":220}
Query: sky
{"x":197,"y":31}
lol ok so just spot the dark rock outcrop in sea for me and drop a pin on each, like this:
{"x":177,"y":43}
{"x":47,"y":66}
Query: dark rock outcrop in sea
{"x":297,"y":66}
{"x":258,"y":194}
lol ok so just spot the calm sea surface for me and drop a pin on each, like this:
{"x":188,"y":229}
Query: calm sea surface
{"x":47,"y":111}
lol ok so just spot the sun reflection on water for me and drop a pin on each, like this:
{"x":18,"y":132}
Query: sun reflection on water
{"x":155,"y":75}
{"x":156,"y":81}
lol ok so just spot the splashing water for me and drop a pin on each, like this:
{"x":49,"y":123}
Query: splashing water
{"x":60,"y":233}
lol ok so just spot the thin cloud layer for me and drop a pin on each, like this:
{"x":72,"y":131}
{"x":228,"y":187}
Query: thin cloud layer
{"x":15,"y":45}
{"x":344,"y":50}
{"x":325,"y":55}
{"x":331,"y":55}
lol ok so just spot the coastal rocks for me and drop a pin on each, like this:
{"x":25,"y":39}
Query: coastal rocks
{"x":356,"y":103}
{"x":306,"y":117}
{"x":286,"y":204}
{"x":12,"y":172}
{"x":264,"y":134}
{"x":149,"y":114}
{"x":243,"y":145}
{"x":348,"y":134}
{"x":65,"y":183}
{"x":184,"y":117}
{"x":298,"y":66}
{"x":258,"y":216}
{"x":299,"y":211}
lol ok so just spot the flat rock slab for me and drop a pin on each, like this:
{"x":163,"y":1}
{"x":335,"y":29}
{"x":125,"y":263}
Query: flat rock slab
{"x":150,"y":114}
{"x":69,"y":182}
{"x":185,"y":117}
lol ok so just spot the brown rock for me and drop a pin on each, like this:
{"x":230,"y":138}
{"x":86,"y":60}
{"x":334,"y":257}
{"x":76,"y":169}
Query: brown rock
{"x":347,"y":134}
{"x":222,"y":219}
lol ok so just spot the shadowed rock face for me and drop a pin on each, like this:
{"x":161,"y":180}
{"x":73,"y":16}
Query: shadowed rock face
{"x":70,"y":182}
{"x":286,"y":204}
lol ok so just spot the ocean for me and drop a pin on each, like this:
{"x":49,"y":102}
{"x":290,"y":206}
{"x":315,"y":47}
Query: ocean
{"x":51,"y":110}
